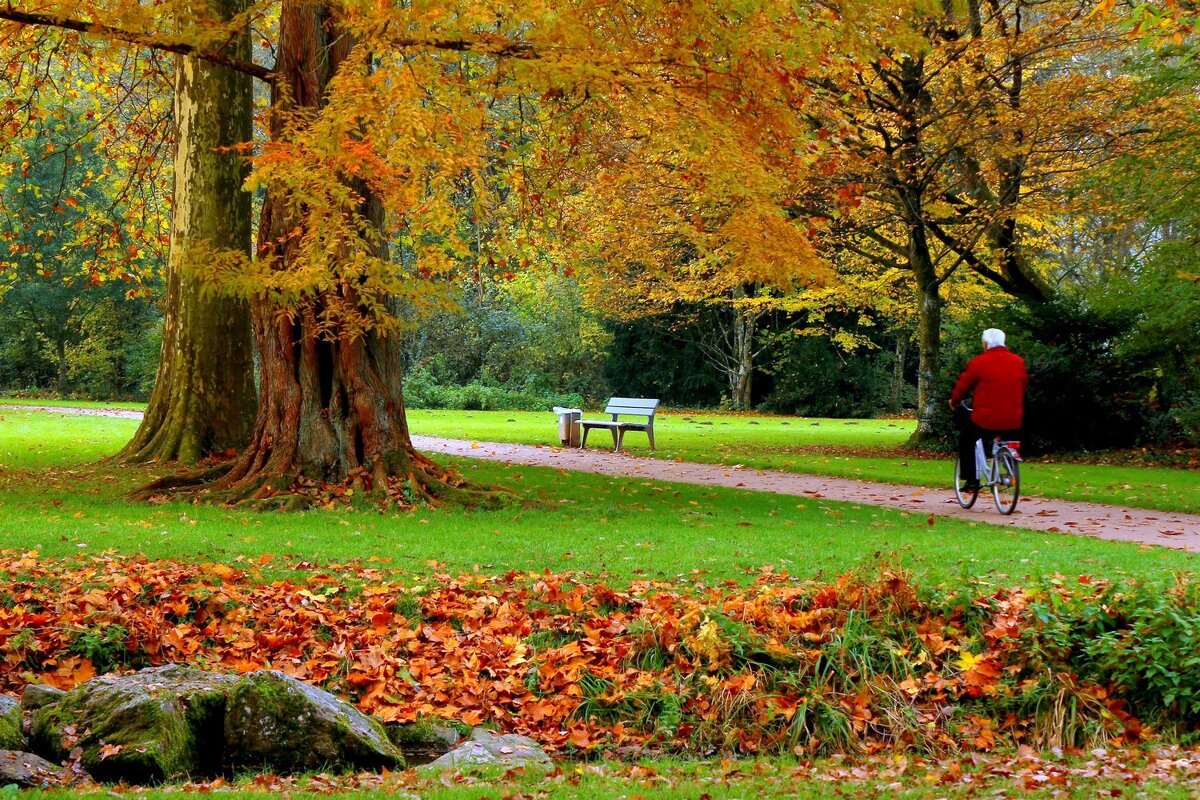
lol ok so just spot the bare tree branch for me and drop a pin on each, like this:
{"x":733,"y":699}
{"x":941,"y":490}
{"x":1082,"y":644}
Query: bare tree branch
{"x":117,"y":34}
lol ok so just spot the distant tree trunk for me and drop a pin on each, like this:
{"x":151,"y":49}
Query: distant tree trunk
{"x":742,"y":365}
{"x":726,"y":337}
{"x":60,"y":353}
{"x":331,"y":407}
{"x":896,"y":390}
{"x":203,"y":399}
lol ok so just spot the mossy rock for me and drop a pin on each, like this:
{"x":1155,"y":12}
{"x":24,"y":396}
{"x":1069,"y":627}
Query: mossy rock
{"x":11,"y":716}
{"x":425,"y":734}
{"x":38,"y":696}
{"x":147,"y":727}
{"x":489,"y":749}
{"x":278,"y":723}
{"x":423,"y":741}
{"x":25,"y":770}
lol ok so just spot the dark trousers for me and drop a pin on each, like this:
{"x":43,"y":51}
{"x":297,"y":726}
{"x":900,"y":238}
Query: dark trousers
{"x":966,"y":447}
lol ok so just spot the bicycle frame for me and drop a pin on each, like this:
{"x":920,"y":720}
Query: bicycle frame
{"x":1000,"y":473}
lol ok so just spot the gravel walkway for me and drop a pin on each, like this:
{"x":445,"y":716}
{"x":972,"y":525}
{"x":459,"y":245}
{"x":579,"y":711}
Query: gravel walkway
{"x":1167,"y":529}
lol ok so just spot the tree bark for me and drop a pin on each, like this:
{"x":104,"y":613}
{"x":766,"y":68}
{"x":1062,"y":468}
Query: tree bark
{"x":896,"y":390}
{"x":60,"y":353}
{"x":331,"y":407}
{"x":203,"y":399}
{"x":909,"y":182}
{"x":929,"y":312}
{"x":742,"y":367}
{"x":929,"y":358}
{"x":1023,"y":279}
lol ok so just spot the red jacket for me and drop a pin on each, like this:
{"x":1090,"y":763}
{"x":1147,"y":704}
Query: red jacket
{"x":998,"y":379}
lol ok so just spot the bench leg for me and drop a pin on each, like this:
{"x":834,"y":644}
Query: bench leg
{"x":583,"y":441}
{"x":650,"y":436}
{"x":617,"y":435}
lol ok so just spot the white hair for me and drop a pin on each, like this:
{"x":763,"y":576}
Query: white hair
{"x":993,"y":337}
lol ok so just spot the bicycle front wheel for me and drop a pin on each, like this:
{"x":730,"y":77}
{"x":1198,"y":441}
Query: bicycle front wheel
{"x":965,"y":499}
{"x":1007,"y":488}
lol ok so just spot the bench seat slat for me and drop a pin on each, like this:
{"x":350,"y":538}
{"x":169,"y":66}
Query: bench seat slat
{"x":631,"y":405}
{"x":612,"y":423}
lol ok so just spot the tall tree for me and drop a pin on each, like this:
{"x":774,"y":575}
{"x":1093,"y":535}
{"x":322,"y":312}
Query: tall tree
{"x":204,"y":399}
{"x":381,"y":124}
{"x":963,"y":130}
{"x":342,"y":178}
{"x":331,"y":404}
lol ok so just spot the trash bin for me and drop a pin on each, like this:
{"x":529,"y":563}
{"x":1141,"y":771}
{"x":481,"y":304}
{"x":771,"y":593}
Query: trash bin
{"x":568,"y":425}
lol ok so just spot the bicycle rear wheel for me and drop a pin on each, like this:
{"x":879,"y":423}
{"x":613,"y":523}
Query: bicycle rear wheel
{"x":965,"y":499}
{"x":1007,"y":488}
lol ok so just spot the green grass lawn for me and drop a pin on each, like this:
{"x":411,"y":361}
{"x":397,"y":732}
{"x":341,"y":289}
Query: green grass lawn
{"x":1129,"y":775}
{"x":863,"y":449}
{"x":53,"y":499}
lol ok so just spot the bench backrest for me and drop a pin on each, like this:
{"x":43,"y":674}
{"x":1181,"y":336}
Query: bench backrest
{"x":638,"y":406}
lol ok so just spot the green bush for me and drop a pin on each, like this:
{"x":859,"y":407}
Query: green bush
{"x":1084,"y":393}
{"x":813,"y":378}
{"x":1152,"y":653}
{"x":1142,"y":642}
{"x":422,"y":391}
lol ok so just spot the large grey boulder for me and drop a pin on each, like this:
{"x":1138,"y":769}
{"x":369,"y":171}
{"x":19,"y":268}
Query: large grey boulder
{"x":485,"y":748}
{"x":276,"y":722}
{"x":156,"y":724}
{"x":175,"y":721}
{"x":37,"y":696}
{"x":29,"y":771}
{"x":11,"y":719}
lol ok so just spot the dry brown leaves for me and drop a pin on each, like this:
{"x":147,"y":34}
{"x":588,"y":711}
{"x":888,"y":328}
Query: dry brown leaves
{"x":568,"y":661}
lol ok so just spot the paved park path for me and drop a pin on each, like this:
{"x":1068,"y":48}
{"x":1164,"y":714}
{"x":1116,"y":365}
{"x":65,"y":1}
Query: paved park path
{"x":1169,"y":529}
{"x":1121,"y":523}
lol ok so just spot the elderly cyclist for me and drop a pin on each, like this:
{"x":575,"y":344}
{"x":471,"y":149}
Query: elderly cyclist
{"x":997,"y":380}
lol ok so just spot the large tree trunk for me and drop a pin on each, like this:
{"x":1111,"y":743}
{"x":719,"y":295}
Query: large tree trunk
{"x":929,"y":357}
{"x":203,"y":398}
{"x":929,"y":315}
{"x":331,"y":408}
{"x":909,"y":182}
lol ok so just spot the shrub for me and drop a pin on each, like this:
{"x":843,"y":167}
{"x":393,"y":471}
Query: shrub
{"x":422,"y":391}
{"x":813,"y":378}
{"x":1083,"y":393}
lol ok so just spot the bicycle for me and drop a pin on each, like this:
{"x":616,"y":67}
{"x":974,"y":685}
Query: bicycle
{"x":1001,"y":473}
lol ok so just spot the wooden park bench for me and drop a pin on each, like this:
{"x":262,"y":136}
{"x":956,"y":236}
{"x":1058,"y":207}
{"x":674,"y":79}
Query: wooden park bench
{"x":623,"y":406}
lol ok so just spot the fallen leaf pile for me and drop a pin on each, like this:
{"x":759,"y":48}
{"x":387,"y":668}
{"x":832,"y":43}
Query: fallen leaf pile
{"x":780,"y":665}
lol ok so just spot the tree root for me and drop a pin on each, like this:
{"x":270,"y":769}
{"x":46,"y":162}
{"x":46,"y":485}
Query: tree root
{"x":184,"y":483}
{"x":421,"y":483}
